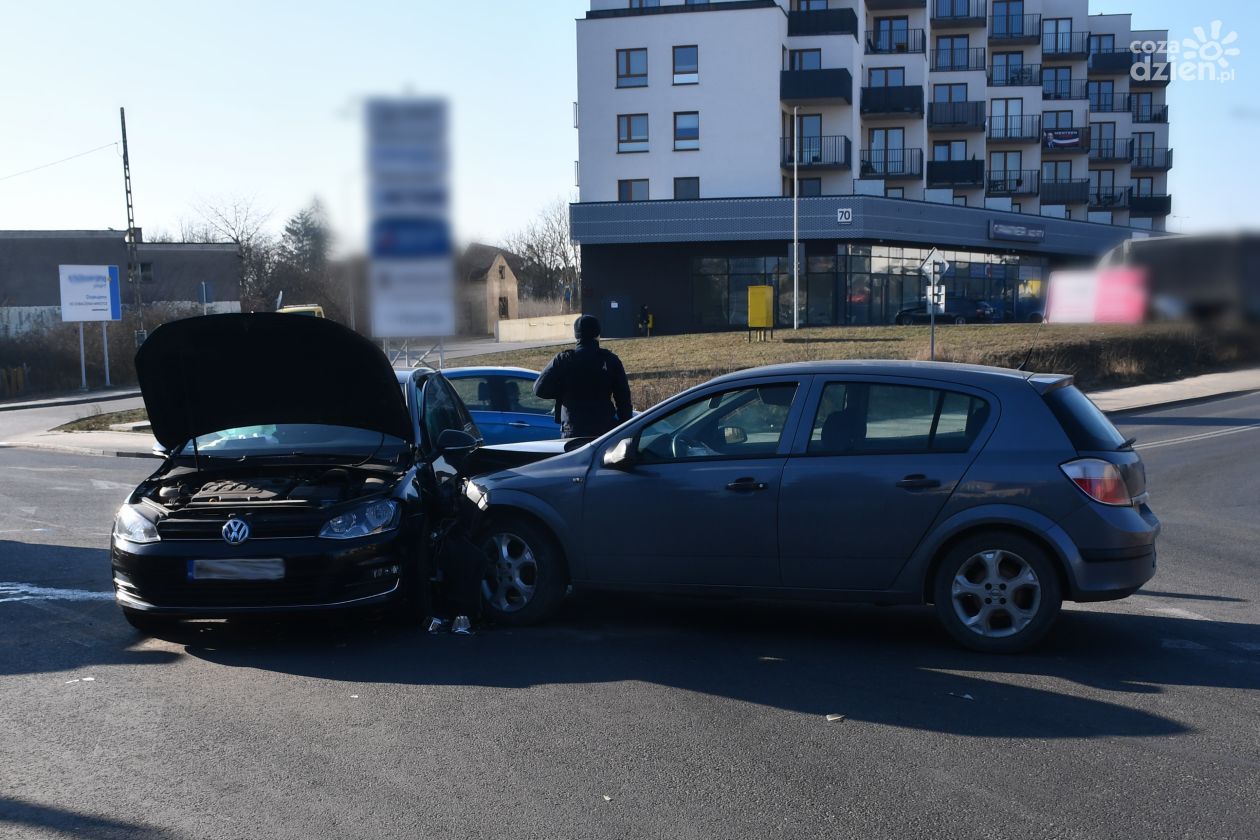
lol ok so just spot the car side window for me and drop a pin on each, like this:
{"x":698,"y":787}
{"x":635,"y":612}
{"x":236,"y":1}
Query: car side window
{"x":475,"y":391}
{"x":518,"y":395}
{"x":443,"y":410}
{"x":742,"y":422}
{"x":863,"y":418}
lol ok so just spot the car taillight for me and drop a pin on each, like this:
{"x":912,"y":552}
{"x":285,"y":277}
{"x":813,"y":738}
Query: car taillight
{"x":1098,"y":479}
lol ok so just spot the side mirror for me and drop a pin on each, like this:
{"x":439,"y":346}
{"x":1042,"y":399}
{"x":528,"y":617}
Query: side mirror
{"x":733,"y":435}
{"x":621,"y":456}
{"x":455,"y":444}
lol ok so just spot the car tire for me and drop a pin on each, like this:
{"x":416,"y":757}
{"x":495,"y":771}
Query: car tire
{"x":148,"y":623}
{"x":904,"y":320}
{"x":526,"y":576}
{"x":997,"y":592}
{"x":960,"y":320}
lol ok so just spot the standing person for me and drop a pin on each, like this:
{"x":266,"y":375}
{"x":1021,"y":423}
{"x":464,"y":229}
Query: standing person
{"x":646,"y":321}
{"x":588,"y":384}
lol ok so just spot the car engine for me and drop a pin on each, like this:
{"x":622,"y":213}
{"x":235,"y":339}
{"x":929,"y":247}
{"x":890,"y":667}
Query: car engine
{"x":318,"y":489}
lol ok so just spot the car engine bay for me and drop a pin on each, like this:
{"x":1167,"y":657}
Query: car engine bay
{"x":315,"y":487}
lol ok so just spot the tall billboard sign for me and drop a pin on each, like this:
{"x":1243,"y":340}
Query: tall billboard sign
{"x":90,"y":293}
{"x":411,"y":277}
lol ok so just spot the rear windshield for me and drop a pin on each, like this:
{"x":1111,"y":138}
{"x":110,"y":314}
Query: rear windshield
{"x":1087,"y":428}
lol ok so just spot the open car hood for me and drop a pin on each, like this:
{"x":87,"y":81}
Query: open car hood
{"x":202,"y":375}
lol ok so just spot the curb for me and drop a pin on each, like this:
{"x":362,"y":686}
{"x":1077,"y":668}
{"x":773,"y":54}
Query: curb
{"x":1181,"y":402}
{"x":83,"y":400}
{"x":75,"y":450}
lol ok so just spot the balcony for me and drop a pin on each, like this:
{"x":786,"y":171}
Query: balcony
{"x":815,"y":85}
{"x":1110,"y":103}
{"x":1111,"y":151}
{"x":892,"y":101}
{"x":1023,"y":75}
{"x":1069,"y":191}
{"x":825,"y":152}
{"x":890,"y":43}
{"x":1148,"y":206}
{"x":1149,"y":113}
{"x":956,"y":116}
{"x":1012,"y":182}
{"x":891,"y":164}
{"x":1064,"y":89}
{"x":894,"y":5}
{"x":1022,"y":129}
{"x":955,"y":173}
{"x":959,"y":59}
{"x":1063,"y":46}
{"x":1111,"y":62}
{"x":1147,"y":72}
{"x":1115,"y":198}
{"x":823,"y":22}
{"x":958,"y":14}
{"x":1152,"y":160}
{"x":1015,"y":29}
{"x":1065,"y":140}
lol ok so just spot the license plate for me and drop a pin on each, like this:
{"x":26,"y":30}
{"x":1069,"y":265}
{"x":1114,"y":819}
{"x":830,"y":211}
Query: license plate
{"x":268,"y":569}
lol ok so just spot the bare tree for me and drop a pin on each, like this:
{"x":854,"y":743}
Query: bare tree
{"x":239,"y":221}
{"x":552,"y":261}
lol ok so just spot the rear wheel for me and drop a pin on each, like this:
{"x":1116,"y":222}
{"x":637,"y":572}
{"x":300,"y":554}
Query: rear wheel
{"x":997,"y":593}
{"x":148,"y":623}
{"x":525,"y":577}
{"x":960,"y":320}
{"x":904,"y":320}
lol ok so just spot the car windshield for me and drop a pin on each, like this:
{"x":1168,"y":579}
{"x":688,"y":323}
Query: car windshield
{"x":295,"y":439}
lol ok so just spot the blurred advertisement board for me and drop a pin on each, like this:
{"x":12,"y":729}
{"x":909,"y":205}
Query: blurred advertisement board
{"x":90,"y":293}
{"x":1101,"y":296}
{"x":411,"y":277}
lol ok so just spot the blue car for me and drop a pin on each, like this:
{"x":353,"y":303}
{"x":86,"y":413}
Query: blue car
{"x":503,"y":404}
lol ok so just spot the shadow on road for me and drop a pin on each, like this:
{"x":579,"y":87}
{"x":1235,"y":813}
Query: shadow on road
{"x":1174,"y":420}
{"x":19,"y":814}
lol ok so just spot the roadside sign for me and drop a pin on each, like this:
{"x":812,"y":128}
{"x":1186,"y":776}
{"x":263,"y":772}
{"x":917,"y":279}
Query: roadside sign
{"x":936,"y":297}
{"x":90,"y":293}
{"x":934,"y":259}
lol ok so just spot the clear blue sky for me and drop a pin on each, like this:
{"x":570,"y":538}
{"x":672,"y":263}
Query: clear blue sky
{"x":258,"y":99}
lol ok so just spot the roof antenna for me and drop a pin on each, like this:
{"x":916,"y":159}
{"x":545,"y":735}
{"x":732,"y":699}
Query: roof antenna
{"x":1033,"y":345}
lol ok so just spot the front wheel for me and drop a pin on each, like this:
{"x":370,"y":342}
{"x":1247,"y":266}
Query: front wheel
{"x":525,"y":577}
{"x":997,"y":593}
{"x":960,"y":320}
{"x":904,"y":320}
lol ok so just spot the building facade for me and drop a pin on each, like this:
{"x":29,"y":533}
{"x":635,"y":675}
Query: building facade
{"x":488,"y":289}
{"x":1016,"y":135}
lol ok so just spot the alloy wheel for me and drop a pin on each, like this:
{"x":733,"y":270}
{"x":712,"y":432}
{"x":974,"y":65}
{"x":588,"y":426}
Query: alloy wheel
{"x":996,"y":593}
{"x":511,"y":574}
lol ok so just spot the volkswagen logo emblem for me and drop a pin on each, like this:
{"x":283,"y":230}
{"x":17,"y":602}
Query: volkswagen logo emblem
{"x":235,"y":531}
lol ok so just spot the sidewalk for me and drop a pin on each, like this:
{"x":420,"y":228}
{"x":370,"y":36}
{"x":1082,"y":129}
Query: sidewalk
{"x":75,"y":398}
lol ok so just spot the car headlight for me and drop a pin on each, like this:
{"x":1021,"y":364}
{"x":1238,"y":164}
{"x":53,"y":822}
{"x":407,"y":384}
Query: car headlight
{"x":364,"y":520}
{"x":131,"y":526}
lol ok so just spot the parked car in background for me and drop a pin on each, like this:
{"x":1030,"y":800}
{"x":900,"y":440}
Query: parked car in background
{"x":957,"y":311}
{"x":503,"y":404}
{"x":994,"y":494}
{"x":313,"y":310}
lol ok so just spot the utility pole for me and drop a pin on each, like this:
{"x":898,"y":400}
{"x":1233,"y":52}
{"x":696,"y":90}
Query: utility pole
{"x":133,"y":264}
{"x":796,"y":196}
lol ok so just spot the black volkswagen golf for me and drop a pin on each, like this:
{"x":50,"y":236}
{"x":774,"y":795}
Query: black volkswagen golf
{"x":299,"y":475}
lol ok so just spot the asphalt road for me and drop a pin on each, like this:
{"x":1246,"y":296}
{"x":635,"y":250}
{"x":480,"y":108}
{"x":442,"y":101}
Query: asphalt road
{"x":633,"y":717}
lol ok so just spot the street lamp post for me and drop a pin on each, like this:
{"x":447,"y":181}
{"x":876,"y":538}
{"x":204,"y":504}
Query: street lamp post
{"x":796,"y":195}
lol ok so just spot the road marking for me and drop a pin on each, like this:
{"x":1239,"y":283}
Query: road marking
{"x":1233,"y":430}
{"x":23,"y":531}
{"x":1177,"y":612}
{"x":30,"y":592}
{"x":1181,"y":644}
{"x":97,"y":484}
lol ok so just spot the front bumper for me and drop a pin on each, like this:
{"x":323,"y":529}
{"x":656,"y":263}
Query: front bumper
{"x":1114,"y":550}
{"x":318,"y":575}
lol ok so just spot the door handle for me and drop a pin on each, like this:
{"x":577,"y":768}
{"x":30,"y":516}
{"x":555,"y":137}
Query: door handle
{"x":518,"y":424}
{"x":918,"y":482}
{"x":746,"y":485}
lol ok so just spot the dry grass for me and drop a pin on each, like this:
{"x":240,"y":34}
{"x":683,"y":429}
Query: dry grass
{"x":101,"y":422}
{"x":1099,"y":356}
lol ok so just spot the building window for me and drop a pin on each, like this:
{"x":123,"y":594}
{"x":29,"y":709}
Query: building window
{"x":1102,"y":44}
{"x":1051,"y":120}
{"x":1008,"y":69}
{"x":146,"y":272}
{"x":895,"y":192}
{"x":502,"y":273}
{"x":686,"y":188}
{"x":952,"y":52}
{"x":960,"y":201}
{"x":892,"y":34}
{"x":1144,"y":186}
{"x":804,"y":59}
{"x":1101,"y":95}
{"x":503,"y":307}
{"x":887,"y":76}
{"x":636,"y":190}
{"x":697,"y":2}
{"x":1016,"y":207}
{"x":949,"y":150}
{"x":632,"y":68}
{"x":632,"y":133}
{"x":807,"y":187}
{"x":1056,"y":83}
{"x":1101,"y":217}
{"x":1056,"y":35}
{"x":686,"y":131}
{"x":687,"y":65}
{"x":810,"y":5}
{"x":644,"y":4}
{"x":1055,"y":171}
{"x":949,"y":93}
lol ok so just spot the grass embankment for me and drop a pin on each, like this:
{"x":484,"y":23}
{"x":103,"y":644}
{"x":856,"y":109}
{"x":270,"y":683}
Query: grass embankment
{"x":102,"y":422}
{"x":1099,"y":356}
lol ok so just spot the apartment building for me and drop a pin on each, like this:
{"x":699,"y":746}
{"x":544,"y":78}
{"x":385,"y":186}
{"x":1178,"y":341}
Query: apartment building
{"x":1012,"y":135}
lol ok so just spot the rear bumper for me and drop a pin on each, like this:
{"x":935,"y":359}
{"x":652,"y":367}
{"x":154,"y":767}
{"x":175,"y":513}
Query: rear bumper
{"x":1113,"y":551}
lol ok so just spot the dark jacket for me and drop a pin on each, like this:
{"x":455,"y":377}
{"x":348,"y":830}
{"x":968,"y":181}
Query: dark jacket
{"x":590,"y":389}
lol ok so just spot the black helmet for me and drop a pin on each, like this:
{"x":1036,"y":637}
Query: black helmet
{"x":586,"y":328}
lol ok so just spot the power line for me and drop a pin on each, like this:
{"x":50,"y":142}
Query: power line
{"x":55,"y":162}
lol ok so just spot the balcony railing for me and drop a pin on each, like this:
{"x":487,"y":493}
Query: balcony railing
{"x":815,"y":85}
{"x":1023,"y":75}
{"x":894,"y":5}
{"x":959,"y":13}
{"x":1111,"y":151}
{"x":955,"y":173}
{"x":1065,"y":89}
{"x":1021,"y":129}
{"x":1145,"y":206}
{"x":1110,"y":103}
{"x":1060,"y":45}
{"x":903,"y":41}
{"x":891,"y":163}
{"x":1012,"y":182}
{"x":1149,"y":113}
{"x":901,"y":99}
{"x":959,"y":58}
{"x":956,"y":116}
{"x":1015,"y":29}
{"x":815,"y":152}
{"x":1159,"y":160}
{"x":823,"y":22}
{"x":1111,"y":62}
{"x":1065,"y":140}
{"x":1113,"y":198}
{"x":1067,"y":191}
